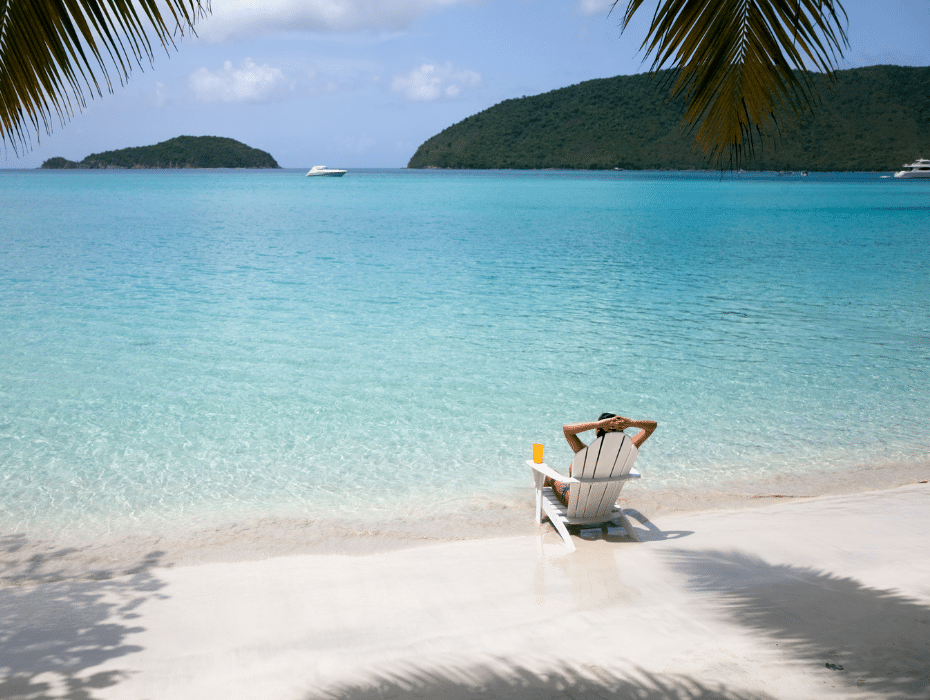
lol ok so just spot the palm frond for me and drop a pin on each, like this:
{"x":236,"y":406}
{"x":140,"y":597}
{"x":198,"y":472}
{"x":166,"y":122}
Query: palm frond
{"x":55,"y":52}
{"x":742,"y":65}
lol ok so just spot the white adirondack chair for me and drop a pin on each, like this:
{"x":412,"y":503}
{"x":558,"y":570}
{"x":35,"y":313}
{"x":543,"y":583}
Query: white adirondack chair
{"x":599,"y":471}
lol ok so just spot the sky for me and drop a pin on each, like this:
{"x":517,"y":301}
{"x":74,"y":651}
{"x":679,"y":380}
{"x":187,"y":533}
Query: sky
{"x":362,"y":83}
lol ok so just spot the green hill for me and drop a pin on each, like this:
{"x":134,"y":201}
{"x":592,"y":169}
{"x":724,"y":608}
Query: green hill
{"x":874,"y":118}
{"x":180,"y":152}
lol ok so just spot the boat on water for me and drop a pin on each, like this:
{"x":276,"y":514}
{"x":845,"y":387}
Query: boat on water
{"x":318,"y":170}
{"x":919,"y":168}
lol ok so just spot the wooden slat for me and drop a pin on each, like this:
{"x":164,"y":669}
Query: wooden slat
{"x":556,"y":506}
{"x":599,"y":496}
{"x":624,"y":463}
{"x":587,"y":460}
{"x":614,"y":459}
{"x":607,"y":457}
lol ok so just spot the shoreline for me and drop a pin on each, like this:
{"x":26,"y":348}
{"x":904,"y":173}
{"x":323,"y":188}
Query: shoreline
{"x":823,"y":597}
{"x":25,"y":559}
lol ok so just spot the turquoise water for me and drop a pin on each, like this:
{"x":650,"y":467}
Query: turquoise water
{"x":202,"y":346}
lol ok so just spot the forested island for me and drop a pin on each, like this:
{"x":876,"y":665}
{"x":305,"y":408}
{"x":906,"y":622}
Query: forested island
{"x":180,"y":152}
{"x":870,"y":119}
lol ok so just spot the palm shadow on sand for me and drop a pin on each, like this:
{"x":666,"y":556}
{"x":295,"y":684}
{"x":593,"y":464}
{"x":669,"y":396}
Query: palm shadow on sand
{"x":872,"y":641}
{"x":880,"y":638}
{"x":54,"y":628}
{"x":518,"y":683}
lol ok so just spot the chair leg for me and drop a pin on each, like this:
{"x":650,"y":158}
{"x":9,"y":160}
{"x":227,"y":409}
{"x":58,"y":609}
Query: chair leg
{"x":538,"y":482}
{"x":562,"y":530}
{"x":630,"y":532}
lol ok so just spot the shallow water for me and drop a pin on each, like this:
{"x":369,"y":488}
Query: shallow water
{"x":189,"y":349}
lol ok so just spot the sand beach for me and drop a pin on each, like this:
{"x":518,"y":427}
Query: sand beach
{"x":822,"y":597}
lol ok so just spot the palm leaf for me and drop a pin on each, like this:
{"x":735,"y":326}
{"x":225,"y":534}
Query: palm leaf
{"x":742,"y":65}
{"x":55,"y":52}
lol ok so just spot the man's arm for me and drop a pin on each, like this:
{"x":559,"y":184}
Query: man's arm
{"x":571,"y":430}
{"x":647,"y":427}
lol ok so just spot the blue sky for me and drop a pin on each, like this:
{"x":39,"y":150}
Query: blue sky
{"x":362,"y":83}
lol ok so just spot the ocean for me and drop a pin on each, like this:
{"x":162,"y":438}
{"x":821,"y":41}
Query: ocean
{"x":187,"y":350}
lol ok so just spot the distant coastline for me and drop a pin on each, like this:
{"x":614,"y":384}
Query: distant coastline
{"x":182,"y":152}
{"x":870,"y":120}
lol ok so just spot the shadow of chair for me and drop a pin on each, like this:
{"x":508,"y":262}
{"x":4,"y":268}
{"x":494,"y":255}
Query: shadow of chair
{"x":649,"y":532}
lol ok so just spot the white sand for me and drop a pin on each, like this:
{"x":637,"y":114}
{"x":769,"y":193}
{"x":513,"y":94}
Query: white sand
{"x":740,"y":604}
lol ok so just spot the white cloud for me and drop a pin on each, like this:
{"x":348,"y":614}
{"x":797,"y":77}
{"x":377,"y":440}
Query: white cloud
{"x":261,"y":83}
{"x":248,"y":83}
{"x":591,"y":8}
{"x":338,"y":75}
{"x":160,"y":94}
{"x":430,"y":82}
{"x":232,"y":18}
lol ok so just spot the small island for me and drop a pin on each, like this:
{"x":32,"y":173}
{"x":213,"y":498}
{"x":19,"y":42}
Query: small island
{"x":179,"y":152}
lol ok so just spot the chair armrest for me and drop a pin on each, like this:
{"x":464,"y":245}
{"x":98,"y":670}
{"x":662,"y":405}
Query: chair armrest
{"x":607,"y":479}
{"x":546,"y":470}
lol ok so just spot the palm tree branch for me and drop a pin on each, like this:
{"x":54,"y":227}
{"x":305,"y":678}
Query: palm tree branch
{"x":38,"y":34}
{"x":741,"y":65}
{"x":54,"y":52}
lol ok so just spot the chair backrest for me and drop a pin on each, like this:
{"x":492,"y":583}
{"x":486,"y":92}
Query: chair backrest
{"x":609,"y":456}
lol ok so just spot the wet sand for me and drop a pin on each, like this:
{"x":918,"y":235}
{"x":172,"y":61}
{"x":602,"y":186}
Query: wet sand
{"x":82,"y":556}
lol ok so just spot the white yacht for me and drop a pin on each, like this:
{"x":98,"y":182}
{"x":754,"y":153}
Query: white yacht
{"x":318,"y":170}
{"x":919,"y":168}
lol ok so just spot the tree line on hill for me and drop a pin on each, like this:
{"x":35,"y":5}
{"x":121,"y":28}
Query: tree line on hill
{"x":179,"y":152}
{"x":870,"y":119}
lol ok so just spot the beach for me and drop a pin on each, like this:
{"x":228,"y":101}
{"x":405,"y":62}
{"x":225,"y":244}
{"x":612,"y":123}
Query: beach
{"x":802,"y":597}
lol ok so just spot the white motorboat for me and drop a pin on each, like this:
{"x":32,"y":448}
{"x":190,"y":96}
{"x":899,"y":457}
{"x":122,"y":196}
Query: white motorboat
{"x":317,"y":170}
{"x":919,"y":168}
